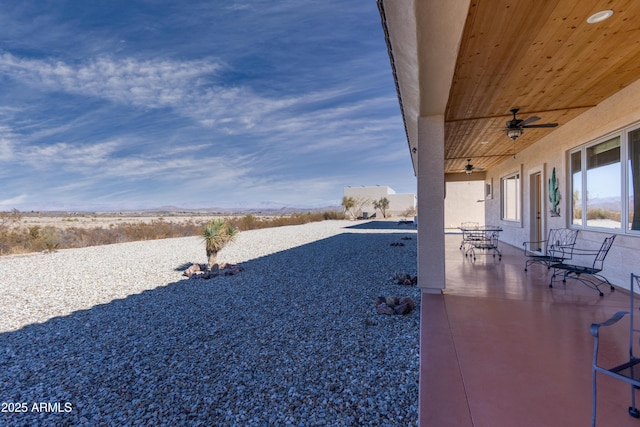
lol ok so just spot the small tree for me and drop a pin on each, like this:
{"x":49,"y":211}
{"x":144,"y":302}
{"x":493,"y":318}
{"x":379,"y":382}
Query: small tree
{"x":348,"y":203}
{"x":354,"y":205}
{"x":359,"y":205}
{"x":7,"y":218}
{"x":382,"y":205}
{"x":409,"y":212}
{"x":216,"y":234}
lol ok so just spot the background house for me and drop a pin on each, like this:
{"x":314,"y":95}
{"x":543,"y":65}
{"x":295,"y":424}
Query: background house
{"x":464,"y":201}
{"x":399,"y":204}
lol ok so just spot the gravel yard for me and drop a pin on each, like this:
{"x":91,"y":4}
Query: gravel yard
{"x":115,"y":335}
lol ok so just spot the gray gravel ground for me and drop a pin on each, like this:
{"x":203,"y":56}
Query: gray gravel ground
{"x":116,"y":336}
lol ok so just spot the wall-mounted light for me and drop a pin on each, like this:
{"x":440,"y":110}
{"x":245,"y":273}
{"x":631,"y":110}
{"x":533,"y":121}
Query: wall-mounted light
{"x":414,"y":150}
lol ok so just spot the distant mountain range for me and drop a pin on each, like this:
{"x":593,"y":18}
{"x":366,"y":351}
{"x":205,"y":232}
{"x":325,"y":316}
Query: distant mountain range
{"x":266,"y":208}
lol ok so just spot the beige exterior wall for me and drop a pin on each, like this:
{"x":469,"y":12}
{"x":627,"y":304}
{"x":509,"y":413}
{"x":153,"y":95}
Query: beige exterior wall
{"x":398,"y":203}
{"x":613,"y":114}
{"x":464,"y":202}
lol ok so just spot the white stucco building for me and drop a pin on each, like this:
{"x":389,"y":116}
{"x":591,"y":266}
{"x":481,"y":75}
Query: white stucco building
{"x":399,"y":204}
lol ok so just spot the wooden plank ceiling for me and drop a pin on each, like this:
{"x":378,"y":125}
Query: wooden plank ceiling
{"x":541,"y":57}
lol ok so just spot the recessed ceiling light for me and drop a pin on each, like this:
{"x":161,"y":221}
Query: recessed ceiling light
{"x":600,"y":16}
{"x":484,"y":142}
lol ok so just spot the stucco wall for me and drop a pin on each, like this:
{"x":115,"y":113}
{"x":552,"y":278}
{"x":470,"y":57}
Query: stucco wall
{"x":464,"y":202}
{"x":398,"y":203}
{"x":615,"y":113}
{"x":401,"y":203}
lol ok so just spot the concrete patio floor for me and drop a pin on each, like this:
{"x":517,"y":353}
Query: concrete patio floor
{"x":501,"y":348}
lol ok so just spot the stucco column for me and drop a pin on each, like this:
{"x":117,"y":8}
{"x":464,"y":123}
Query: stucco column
{"x":430,"y":166}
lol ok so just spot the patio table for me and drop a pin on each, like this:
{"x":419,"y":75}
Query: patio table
{"x":482,"y":237}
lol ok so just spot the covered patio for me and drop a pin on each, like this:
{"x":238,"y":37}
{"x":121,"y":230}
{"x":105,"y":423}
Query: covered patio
{"x":501,"y":348}
{"x":538,"y":101}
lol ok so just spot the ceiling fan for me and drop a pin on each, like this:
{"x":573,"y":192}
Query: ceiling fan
{"x":469,"y":168}
{"x":515,"y":127}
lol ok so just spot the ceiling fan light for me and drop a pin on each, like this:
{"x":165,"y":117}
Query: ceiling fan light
{"x":514,"y":133}
{"x":468,"y":171}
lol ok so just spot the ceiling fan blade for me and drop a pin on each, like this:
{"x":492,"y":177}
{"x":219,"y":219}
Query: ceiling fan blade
{"x":545,"y":125}
{"x":530,"y":120}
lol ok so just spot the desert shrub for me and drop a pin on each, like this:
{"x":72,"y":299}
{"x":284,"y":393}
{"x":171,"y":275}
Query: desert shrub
{"x":333,"y":215}
{"x":599,"y":213}
{"x":216,"y":234}
{"x":15,"y":240}
{"x":250,"y":222}
{"x":247,"y":222}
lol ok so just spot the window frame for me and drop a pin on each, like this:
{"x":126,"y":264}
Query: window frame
{"x":518,"y":197}
{"x":624,"y":178}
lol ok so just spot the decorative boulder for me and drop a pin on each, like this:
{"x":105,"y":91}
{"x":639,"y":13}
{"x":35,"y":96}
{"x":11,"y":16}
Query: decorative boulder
{"x":394,"y":305}
{"x":192,"y":270}
{"x":405,"y":279}
{"x":200,"y":271}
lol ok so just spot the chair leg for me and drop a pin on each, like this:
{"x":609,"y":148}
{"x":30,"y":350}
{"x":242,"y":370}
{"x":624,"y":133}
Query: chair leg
{"x":593,"y":398}
{"x":633,"y":411}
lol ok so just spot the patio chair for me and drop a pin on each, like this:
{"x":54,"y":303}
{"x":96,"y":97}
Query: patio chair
{"x":627,"y":370}
{"x":487,"y":242}
{"x":468,"y":235}
{"x":589,"y":275}
{"x":557,"y":248}
{"x":482,"y":237}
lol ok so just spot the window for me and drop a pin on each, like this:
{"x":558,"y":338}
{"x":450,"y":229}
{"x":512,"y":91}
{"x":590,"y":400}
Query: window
{"x":633,"y":198}
{"x":576,"y":187}
{"x":605,"y":183}
{"x":510,"y":197}
{"x":604,"y":189}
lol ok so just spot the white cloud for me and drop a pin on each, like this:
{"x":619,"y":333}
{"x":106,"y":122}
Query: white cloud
{"x":6,"y":148}
{"x":189,"y":87}
{"x":68,"y":156}
{"x":150,"y":83}
{"x":239,"y":6}
{"x":302,"y":110}
{"x":10,"y":203}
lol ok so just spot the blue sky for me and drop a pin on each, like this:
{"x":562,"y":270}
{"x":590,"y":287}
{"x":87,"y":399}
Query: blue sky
{"x":218,"y":103}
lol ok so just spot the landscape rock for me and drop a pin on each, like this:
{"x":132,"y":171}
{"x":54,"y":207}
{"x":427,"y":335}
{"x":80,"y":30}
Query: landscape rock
{"x":385,"y":309}
{"x":405,"y":279}
{"x":200,"y":271}
{"x":394,"y":305}
{"x":132,"y":342}
{"x":192,"y":270}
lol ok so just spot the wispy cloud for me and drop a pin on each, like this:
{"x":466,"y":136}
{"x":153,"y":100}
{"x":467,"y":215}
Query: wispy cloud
{"x":150,"y":83}
{"x":190,"y":88}
{"x":226,"y":101}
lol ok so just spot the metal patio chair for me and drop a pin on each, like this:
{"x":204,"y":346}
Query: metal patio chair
{"x":557,"y":248}
{"x":485,"y":241}
{"x":468,"y":234}
{"x":627,"y":370}
{"x":589,"y":275}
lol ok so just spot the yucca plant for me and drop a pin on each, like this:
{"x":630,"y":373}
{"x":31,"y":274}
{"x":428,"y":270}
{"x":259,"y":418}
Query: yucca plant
{"x":216,"y":234}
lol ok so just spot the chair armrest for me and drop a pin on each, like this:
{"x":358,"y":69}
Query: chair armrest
{"x":528,"y":246}
{"x":533,"y":241}
{"x":561,"y":251}
{"x":595,"y":327}
{"x":581,"y":251}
